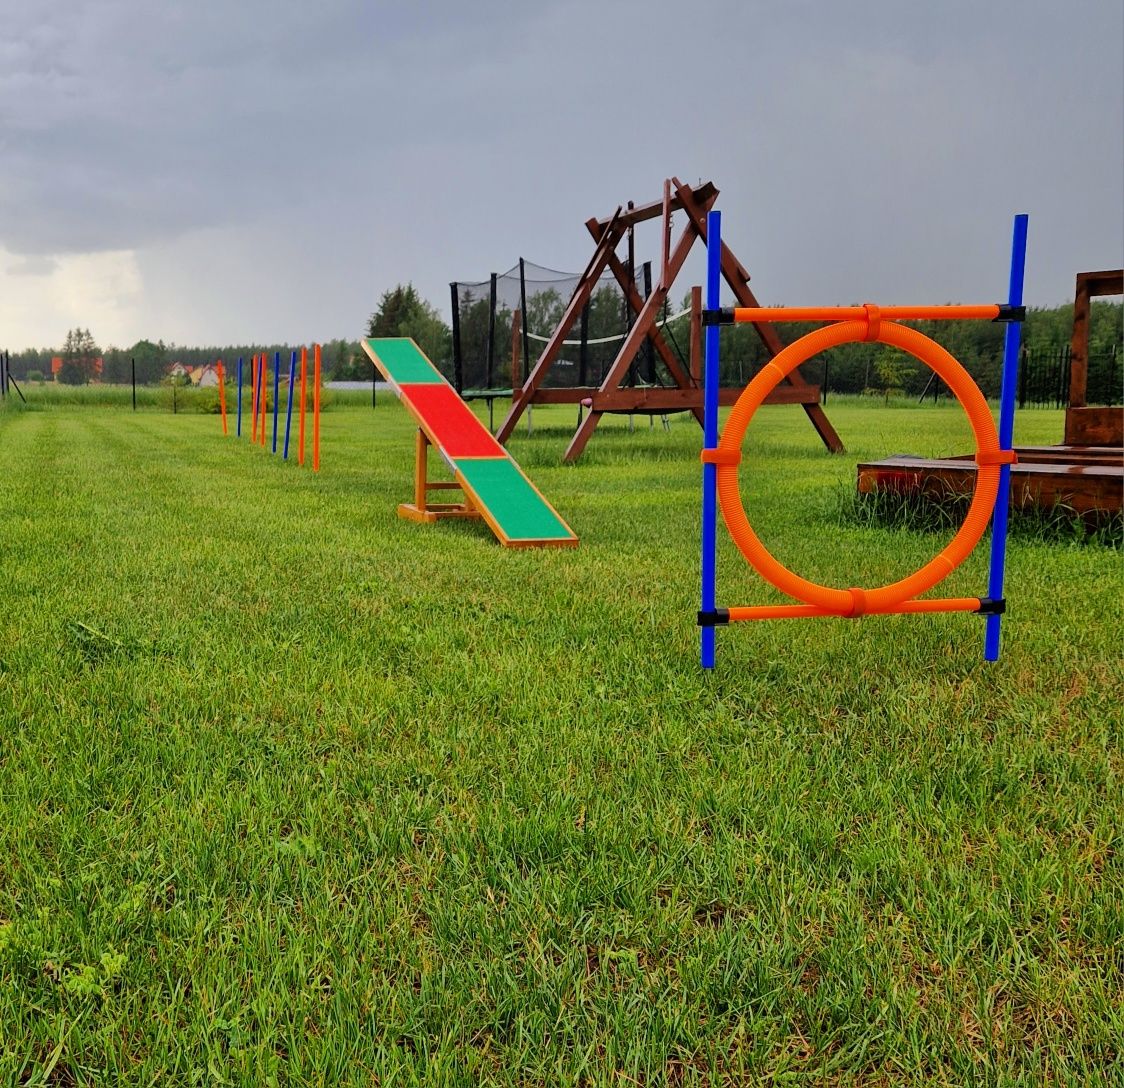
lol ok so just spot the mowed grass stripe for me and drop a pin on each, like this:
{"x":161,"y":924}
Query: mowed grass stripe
{"x":293,"y":790}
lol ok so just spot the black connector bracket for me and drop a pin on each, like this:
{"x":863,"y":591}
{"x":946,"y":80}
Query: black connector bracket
{"x":724,"y":316}
{"x":992,"y":606}
{"x":1010,"y":313}
{"x":713,"y":619}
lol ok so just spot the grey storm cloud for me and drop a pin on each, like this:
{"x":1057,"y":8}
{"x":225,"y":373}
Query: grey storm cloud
{"x":260,"y":156}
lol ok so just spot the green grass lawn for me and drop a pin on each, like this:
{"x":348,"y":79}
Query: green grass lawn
{"x":294,"y":792}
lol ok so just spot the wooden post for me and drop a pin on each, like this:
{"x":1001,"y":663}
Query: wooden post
{"x":421,"y":459}
{"x":696,"y":335}
{"x":1079,"y":346}
{"x":666,"y":231}
{"x":421,"y":509}
{"x":1085,"y":426}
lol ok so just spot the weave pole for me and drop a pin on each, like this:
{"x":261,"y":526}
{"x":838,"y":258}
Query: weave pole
{"x":1007,"y":390}
{"x":316,"y":408}
{"x":238,"y":419}
{"x":253,"y":400}
{"x":276,"y":395}
{"x":707,"y":635}
{"x":263,"y":394}
{"x":304,"y":401}
{"x":289,"y":408}
{"x":222,"y":396}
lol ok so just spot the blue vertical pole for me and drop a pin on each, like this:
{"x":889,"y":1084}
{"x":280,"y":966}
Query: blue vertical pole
{"x":1007,"y":390}
{"x":710,"y":438}
{"x":238,"y":425}
{"x":276,"y":394}
{"x":289,"y":408}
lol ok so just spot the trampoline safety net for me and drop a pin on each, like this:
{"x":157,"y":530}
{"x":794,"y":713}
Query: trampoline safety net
{"x":484,"y":351}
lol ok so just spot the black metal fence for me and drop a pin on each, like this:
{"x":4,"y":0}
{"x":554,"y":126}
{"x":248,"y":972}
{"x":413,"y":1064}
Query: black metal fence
{"x":1044,"y":378}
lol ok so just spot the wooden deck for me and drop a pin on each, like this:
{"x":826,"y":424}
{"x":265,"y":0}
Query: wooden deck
{"x":1087,"y":479}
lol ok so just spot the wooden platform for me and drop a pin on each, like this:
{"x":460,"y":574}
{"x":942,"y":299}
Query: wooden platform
{"x":1087,"y":479}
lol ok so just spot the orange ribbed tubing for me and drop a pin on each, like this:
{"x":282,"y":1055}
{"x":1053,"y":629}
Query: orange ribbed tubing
{"x":887,"y":598}
{"x":799,"y":611}
{"x":988,"y":312}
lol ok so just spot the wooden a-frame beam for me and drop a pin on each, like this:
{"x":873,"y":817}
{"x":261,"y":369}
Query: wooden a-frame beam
{"x":607,"y":245}
{"x":736,"y":276}
{"x":642,"y":328}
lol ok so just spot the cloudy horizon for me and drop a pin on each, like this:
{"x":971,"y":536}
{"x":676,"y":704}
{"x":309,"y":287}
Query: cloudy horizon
{"x":211,"y":174}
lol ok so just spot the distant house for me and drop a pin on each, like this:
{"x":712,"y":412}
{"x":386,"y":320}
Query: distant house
{"x":205,"y":377}
{"x":57,"y":364}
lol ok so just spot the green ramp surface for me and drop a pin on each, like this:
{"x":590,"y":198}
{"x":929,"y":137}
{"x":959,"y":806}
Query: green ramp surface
{"x":518,"y":510}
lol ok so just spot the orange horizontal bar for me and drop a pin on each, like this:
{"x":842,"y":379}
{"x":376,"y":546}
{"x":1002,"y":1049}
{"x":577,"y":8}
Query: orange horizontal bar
{"x":799,"y":611}
{"x":858,"y":313}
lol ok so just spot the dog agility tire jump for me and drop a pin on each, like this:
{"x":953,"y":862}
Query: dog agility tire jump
{"x":853,"y":602}
{"x":993,"y":455}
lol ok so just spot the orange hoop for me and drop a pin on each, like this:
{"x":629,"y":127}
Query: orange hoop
{"x":853,"y":602}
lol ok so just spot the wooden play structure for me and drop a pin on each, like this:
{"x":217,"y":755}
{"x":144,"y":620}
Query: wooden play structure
{"x":495,"y":488}
{"x":1084,"y":474}
{"x":686,"y":394}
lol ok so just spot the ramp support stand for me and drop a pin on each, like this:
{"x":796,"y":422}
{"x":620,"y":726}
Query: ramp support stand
{"x":421,"y":509}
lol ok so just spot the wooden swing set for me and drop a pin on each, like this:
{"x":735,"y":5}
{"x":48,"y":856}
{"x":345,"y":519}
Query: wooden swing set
{"x":686,"y":394}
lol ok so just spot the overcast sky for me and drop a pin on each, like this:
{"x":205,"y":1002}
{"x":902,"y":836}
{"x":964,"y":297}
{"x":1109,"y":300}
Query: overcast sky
{"x":216,"y":171}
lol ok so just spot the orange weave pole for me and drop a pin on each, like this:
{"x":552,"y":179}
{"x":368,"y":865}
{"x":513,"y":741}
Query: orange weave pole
{"x":254,"y":401}
{"x":800,"y":611}
{"x":222,"y":395}
{"x":316,"y":408}
{"x":758,"y":314}
{"x":304,"y":399}
{"x":855,"y":602}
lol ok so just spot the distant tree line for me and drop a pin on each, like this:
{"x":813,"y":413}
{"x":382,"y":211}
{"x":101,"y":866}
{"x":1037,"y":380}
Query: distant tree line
{"x":401,"y":311}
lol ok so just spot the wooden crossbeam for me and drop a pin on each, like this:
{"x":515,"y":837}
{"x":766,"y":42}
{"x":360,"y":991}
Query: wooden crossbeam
{"x":706,"y":192}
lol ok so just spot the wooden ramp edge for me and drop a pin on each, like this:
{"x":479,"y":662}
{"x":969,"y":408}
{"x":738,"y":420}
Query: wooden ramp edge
{"x":493,"y":483}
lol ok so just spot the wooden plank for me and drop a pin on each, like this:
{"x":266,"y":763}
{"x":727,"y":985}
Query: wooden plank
{"x":702,"y":193}
{"x":1070,"y":455}
{"x":1085,"y":489}
{"x":1102,"y":426}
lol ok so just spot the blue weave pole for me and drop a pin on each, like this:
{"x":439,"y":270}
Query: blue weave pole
{"x":1007,"y":390}
{"x":276,"y":394}
{"x":710,"y":440}
{"x":289,"y":408}
{"x":238,"y":424}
